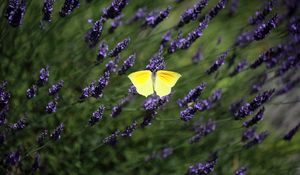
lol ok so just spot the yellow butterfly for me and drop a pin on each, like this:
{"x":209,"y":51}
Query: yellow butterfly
{"x":146,"y":82}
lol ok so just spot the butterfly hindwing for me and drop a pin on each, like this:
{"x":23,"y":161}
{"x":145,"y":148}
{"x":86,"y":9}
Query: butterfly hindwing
{"x":164,"y":81}
{"x":142,"y":80}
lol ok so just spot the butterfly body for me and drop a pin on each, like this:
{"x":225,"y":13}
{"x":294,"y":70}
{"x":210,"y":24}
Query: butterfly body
{"x":160,"y":82}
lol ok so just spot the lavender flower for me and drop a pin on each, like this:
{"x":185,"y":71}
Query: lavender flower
{"x":234,"y":107}
{"x":153,"y":20}
{"x":40,"y":140}
{"x":44,"y":76}
{"x":148,"y":118}
{"x":257,"y":139}
{"x":192,"y":13}
{"x":115,"y":24}
{"x":155,"y":102}
{"x":165,"y":39}
{"x":102,"y":83}
{"x":93,"y":35}
{"x":54,"y":89}
{"x":255,"y":119}
{"x":88,"y":91}
{"x":216,"y":96}
{"x":119,"y":47}
{"x":248,"y":134}
{"x":115,"y":9}
{"x":166,"y":152}
{"x":55,"y":135}
{"x":240,"y":66}
{"x":139,"y":14}
{"x":264,"y":29}
{"x":198,"y":56}
{"x":96,"y":116}
{"x":233,"y":7}
{"x":261,"y":15}
{"x":256,"y":87}
{"x":102,"y":53}
{"x":244,"y":38}
{"x":129,"y":130}
{"x":261,"y":99}
{"x":156,"y":63}
{"x":163,"y":154}
{"x":188,"y":113}
{"x":291,"y":133}
{"x":202,"y":131}
{"x":52,"y":105}
{"x":15,"y":12}
{"x":128,"y":63}
{"x":112,"y":139}
{"x":203,"y":168}
{"x":286,"y":65}
{"x":215,"y":10}
{"x":241,"y":171}
{"x":177,"y":43}
{"x":20,"y":124}
{"x":37,"y":163}
{"x":288,"y":86}
{"x":192,"y":95}
{"x":267,"y":56}
{"x":12,"y":158}
{"x":32,"y":91}
{"x":4,"y":96}
{"x":68,"y":7}
{"x":112,"y":65}
{"x":47,"y":10}
{"x":219,"y":62}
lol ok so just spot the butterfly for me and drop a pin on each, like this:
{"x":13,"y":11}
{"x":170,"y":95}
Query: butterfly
{"x":146,"y":82}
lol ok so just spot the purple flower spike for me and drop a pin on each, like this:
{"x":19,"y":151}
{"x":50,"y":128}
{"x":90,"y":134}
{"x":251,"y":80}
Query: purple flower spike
{"x":188,"y":113}
{"x":129,"y":130}
{"x":96,"y":116}
{"x":234,"y":107}
{"x":115,"y":24}
{"x":88,"y":91}
{"x":255,"y":119}
{"x":55,"y":135}
{"x":165,"y":39}
{"x":153,"y":20}
{"x":288,"y":86}
{"x":234,"y":6}
{"x":248,"y":134}
{"x":219,"y":62}
{"x":239,"y":67}
{"x":47,"y":10}
{"x":241,"y":171}
{"x":68,"y":7}
{"x":202,"y":131}
{"x":32,"y":91}
{"x":20,"y":124}
{"x":128,"y":63}
{"x":149,"y":117}
{"x":40,"y":140}
{"x":102,"y":83}
{"x":132,"y":90}
{"x":52,"y":105}
{"x":139,"y":14}
{"x":257,"y":139}
{"x":15,"y":12}
{"x":215,"y":10}
{"x":198,"y":56}
{"x":261,"y":32}
{"x":12,"y":158}
{"x":54,"y":89}
{"x":119,"y":47}
{"x":261,"y":99}
{"x":156,"y":63}
{"x":291,"y":133}
{"x":155,"y":102}
{"x":112,"y":139}
{"x":115,"y":9}
{"x":192,"y":96}
{"x":93,"y":35}
{"x":261,"y":15}
{"x":216,"y":96}
{"x":102,"y":53}
{"x":203,"y":168}
{"x":44,"y":76}
{"x":191,"y":14}
{"x":37,"y":163}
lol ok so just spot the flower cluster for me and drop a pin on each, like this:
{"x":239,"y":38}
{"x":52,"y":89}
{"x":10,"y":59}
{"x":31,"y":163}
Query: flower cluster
{"x":153,"y":19}
{"x":47,"y":10}
{"x":112,"y":139}
{"x":203,"y":130}
{"x":15,"y":12}
{"x":93,"y":35}
{"x":68,"y":7}
{"x":261,"y":15}
{"x":218,"y":63}
{"x":115,"y":9}
{"x":96,"y":116}
{"x":162,"y":154}
{"x":128,"y":63}
{"x":119,"y":47}
{"x":292,"y":132}
{"x":192,"y":96}
{"x":257,"y":139}
{"x":56,"y":134}
{"x":203,"y":168}
{"x":4,"y":102}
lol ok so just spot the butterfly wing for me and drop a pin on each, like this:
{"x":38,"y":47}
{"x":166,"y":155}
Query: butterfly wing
{"x":142,"y":80}
{"x":164,"y":81}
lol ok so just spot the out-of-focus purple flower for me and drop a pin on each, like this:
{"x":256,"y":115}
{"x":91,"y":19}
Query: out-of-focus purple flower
{"x":4,"y":98}
{"x":37,"y":163}
{"x":153,"y":20}
{"x":239,"y":67}
{"x":233,"y":7}
{"x":128,"y":63}
{"x":56,"y":134}
{"x":139,"y":14}
{"x":257,"y":139}
{"x":119,"y":47}
{"x":47,"y":10}
{"x":166,"y":152}
{"x":54,"y":89}
{"x":132,"y":90}
{"x":192,"y":96}
{"x":288,"y":86}
{"x":268,"y":57}
{"x":15,"y":12}
{"x":165,"y":39}
{"x":102,"y":53}
{"x":198,"y":56}
{"x":216,"y":9}
{"x":192,"y":13}
{"x":40,"y":140}
{"x":96,"y":116}
{"x":44,"y":76}
{"x":88,"y":91}
{"x":99,"y":87}
{"x":261,"y":15}
{"x":32,"y":91}
{"x":202,"y":131}
{"x":93,"y":35}
{"x":292,"y":132}
{"x":219,"y":62}
{"x":241,"y":171}
{"x":234,"y":107}
{"x":112,"y":139}
{"x":20,"y":124}
{"x":52,"y":105}
{"x":68,"y":7}
{"x":163,"y":154}
{"x":115,"y":23}
{"x":129,"y":130}
{"x":188,"y":113}
{"x":248,"y":134}
{"x":287,"y":64}
{"x":155,"y":102}
{"x":203,"y":168}
{"x":115,"y":9}
{"x":216,"y":96}
{"x":12,"y":158}
{"x":261,"y":32}
{"x":177,"y":43}
{"x":244,"y":38}
{"x":112,"y":65}
{"x":259,"y":116}
{"x":156,"y":63}
{"x":116,"y":110}
{"x":256,"y":87}
{"x":148,"y":118}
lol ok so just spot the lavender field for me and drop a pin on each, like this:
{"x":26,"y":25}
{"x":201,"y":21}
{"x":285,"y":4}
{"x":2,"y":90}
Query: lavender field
{"x":67,"y":105}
